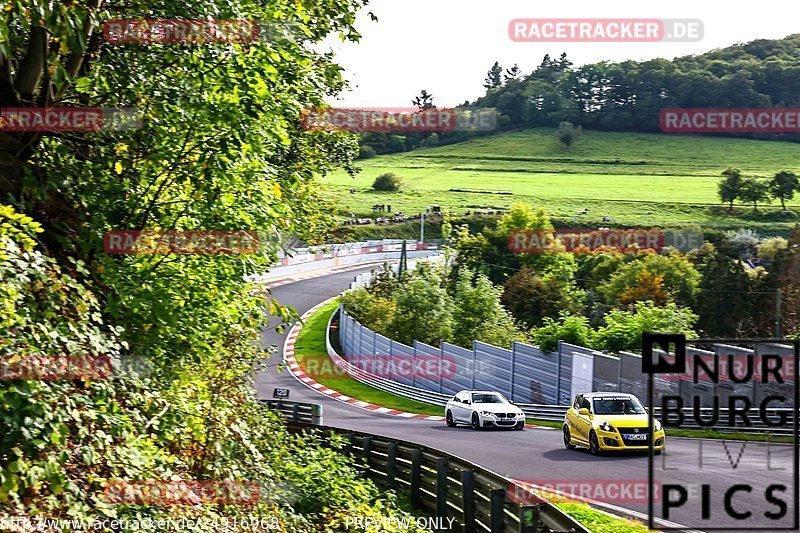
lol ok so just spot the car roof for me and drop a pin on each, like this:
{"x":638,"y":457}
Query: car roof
{"x":595,"y":394}
{"x":480,"y":392}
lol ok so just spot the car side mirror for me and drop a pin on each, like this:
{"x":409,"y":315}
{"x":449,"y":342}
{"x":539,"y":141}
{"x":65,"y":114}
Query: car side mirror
{"x":468,"y":402}
{"x":583,"y":411}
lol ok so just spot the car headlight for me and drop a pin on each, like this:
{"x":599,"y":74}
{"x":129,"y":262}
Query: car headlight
{"x":487,"y":413}
{"x":605,"y":426}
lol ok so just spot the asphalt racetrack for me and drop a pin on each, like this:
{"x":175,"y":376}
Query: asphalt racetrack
{"x":539,"y":456}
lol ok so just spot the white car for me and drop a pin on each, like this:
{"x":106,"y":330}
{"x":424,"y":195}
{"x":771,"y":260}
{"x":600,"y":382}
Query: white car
{"x":481,"y":409}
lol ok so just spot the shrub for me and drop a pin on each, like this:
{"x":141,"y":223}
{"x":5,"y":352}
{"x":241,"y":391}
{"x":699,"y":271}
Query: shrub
{"x":623,"y":329}
{"x":573,"y":329}
{"x":388,"y":182}
{"x":366,"y":152}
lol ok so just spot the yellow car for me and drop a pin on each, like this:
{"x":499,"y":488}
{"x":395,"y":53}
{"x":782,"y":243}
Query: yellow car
{"x":603,"y":421}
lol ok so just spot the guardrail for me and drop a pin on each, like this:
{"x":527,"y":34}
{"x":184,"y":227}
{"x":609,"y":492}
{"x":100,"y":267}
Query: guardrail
{"x":302,"y":413}
{"x":438,"y":483}
{"x":550,"y":413}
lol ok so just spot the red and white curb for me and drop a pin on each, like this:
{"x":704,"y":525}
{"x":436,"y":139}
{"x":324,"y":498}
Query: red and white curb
{"x":305,"y":379}
{"x":302,"y":377}
{"x":316,"y":274}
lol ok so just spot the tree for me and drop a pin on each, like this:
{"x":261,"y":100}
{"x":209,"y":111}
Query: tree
{"x":512,"y":73}
{"x":532,"y":298}
{"x":573,"y":329}
{"x":494,"y":77}
{"x":423,"y":312}
{"x":478,"y":314}
{"x":671,"y":275}
{"x":523,"y":217}
{"x":754,"y":190}
{"x":730,"y":187}
{"x":424,"y":100}
{"x":783,"y":186}
{"x":388,"y":181}
{"x":567,"y":133}
{"x":623,"y":329}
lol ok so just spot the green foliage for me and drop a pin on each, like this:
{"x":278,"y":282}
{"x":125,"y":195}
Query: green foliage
{"x":522,"y":217}
{"x":730,"y":187}
{"x":532,"y":298}
{"x":388,"y":182}
{"x":769,"y":248}
{"x":370,"y":310}
{"x":754,"y":190}
{"x":623,"y":329}
{"x":573,"y":329}
{"x":680,"y":278}
{"x":478,"y":314}
{"x":783,"y":186}
{"x":567,"y":133}
{"x":424,"y":311}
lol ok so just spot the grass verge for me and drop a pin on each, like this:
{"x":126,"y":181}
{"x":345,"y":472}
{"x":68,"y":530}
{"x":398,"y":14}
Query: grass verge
{"x":312,"y":357}
{"x":595,"y":520}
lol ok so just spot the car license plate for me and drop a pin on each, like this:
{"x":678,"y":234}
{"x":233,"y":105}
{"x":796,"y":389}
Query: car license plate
{"x":640,"y":436}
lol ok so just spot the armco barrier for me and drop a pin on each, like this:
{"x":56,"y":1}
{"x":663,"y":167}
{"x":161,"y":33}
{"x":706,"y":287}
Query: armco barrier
{"x":305,"y":413}
{"x":445,"y":486}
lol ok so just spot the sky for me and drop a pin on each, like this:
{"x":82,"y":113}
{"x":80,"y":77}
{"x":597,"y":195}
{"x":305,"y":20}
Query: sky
{"x":447,"y":46}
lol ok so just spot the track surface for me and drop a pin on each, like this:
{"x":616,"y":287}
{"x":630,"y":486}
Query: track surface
{"x":538,"y":455}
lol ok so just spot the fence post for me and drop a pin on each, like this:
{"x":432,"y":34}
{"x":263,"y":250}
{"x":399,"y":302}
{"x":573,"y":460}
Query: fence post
{"x":513,"y":371}
{"x":497,"y":510}
{"x":367,"y":452}
{"x":416,"y":478}
{"x":441,"y":359}
{"x":529,"y":519}
{"x":413,"y":364}
{"x":442,"y":466}
{"x":558,"y":376}
{"x":374,"y":348}
{"x":474,"y":362}
{"x":295,"y":412}
{"x":391,"y":462}
{"x":468,"y":500}
{"x":316,"y":416}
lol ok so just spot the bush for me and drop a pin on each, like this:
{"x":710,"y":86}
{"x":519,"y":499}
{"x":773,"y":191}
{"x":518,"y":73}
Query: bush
{"x":424,"y":311}
{"x":388,"y":182}
{"x":573,"y":329}
{"x":623,"y":329}
{"x":366,"y":152}
{"x":478,"y":314}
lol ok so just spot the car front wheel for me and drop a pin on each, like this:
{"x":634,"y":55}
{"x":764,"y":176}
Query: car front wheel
{"x":568,"y":439}
{"x":476,"y":422}
{"x":449,"y":419}
{"x":594,"y":445}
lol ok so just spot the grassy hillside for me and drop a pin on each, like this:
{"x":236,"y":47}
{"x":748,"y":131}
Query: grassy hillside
{"x":643,"y":179}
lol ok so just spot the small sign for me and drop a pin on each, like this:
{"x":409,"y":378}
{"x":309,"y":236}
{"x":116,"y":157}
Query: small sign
{"x":281,"y":393}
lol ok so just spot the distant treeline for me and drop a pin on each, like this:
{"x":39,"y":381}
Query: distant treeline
{"x":628,"y":96}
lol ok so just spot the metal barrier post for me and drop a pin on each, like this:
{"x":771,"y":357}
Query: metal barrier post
{"x":497,"y":509}
{"x":316,"y":416}
{"x":442,"y":466}
{"x":367,"y":451}
{"x":529,"y":519}
{"x":416,"y":478}
{"x":468,"y":500}
{"x":296,"y":412}
{"x":391,"y":462}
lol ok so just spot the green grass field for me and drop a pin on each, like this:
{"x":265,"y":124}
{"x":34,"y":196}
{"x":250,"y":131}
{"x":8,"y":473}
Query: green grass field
{"x":636,"y":179}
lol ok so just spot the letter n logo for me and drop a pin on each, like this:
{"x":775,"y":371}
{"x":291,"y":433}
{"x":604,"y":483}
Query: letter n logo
{"x":664,"y":365}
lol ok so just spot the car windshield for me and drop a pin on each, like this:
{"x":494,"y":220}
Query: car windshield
{"x":488,"y":398}
{"x":618,"y":406}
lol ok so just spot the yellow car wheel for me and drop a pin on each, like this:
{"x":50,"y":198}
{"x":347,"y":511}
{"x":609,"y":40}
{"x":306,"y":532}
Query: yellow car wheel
{"x":594,"y":444}
{"x":568,"y":439}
